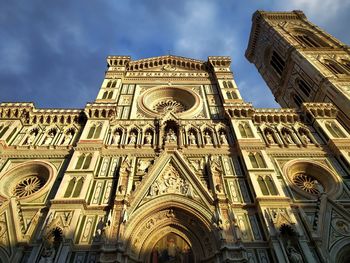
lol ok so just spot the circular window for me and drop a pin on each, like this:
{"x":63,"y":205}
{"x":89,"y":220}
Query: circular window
{"x":26,"y":180}
{"x":308,"y":183}
{"x":28,"y":186}
{"x":158,"y":101}
{"x":310,"y":179}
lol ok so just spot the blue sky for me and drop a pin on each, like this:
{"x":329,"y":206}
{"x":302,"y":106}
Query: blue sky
{"x":53,"y":52}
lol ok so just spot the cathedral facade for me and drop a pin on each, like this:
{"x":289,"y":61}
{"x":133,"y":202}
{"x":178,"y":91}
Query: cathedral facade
{"x":169,"y":164}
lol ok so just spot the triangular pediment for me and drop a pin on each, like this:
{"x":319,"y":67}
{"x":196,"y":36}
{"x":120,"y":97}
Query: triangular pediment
{"x":170,"y":175}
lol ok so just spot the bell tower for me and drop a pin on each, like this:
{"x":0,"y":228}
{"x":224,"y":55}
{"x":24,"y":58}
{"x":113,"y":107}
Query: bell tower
{"x":300,"y":62}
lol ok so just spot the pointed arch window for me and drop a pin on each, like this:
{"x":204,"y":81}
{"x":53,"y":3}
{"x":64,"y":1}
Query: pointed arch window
{"x":333,"y":67}
{"x":109,"y":84}
{"x":84,"y":161}
{"x":297,"y":100}
{"x":245,"y":130}
{"x":256,"y":160}
{"x":105,"y":95}
{"x":74,"y":187}
{"x":346,"y":64}
{"x":304,"y":87}
{"x":277,"y":63}
{"x":228,"y":94}
{"x":3,"y":131}
{"x":334,"y":130}
{"x":225,"y":84}
{"x":95,"y":131}
{"x":267,"y":185}
{"x":262,"y":185}
{"x":110,"y":95}
{"x":230,"y":85}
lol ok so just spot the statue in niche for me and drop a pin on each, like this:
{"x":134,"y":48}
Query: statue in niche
{"x":132,"y":138}
{"x":192,"y":139}
{"x":67,"y":138}
{"x":207,"y":138}
{"x":31,"y":138}
{"x":269,"y":137}
{"x":148,"y":138}
{"x":171,"y":136}
{"x":293,"y":255}
{"x":116,"y":138}
{"x":223,"y":139}
{"x":287,"y":137}
{"x":305,"y":137}
{"x":49,"y":138}
{"x":48,"y":254}
{"x":153,"y":191}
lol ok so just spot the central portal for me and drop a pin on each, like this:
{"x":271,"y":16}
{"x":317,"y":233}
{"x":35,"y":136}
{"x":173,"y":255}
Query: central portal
{"x":172,"y":249}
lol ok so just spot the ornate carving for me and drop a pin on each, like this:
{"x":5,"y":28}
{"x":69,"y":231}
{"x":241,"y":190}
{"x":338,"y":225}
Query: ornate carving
{"x":28,"y":186}
{"x":308,"y":183}
{"x":171,"y":182}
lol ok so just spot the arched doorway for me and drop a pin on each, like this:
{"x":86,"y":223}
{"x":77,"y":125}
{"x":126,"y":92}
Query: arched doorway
{"x":170,"y":226}
{"x":172,"y":248}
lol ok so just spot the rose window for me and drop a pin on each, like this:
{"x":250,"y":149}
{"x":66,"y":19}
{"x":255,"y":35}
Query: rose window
{"x":308,"y":183}
{"x":28,"y":186}
{"x":169,"y":105}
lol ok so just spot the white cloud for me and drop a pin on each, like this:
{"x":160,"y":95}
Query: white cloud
{"x":318,"y":9}
{"x":199,"y":32}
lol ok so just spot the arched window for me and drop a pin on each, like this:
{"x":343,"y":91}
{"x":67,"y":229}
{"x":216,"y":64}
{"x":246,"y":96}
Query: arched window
{"x":245,"y":130}
{"x":114,"y":84}
{"x":105,"y":95}
{"x":333,"y":67}
{"x":256,"y":160}
{"x":87,"y":161}
{"x":234,"y":95}
{"x":83,"y":161}
{"x":80,"y":161}
{"x":260,"y":160}
{"x":230,"y":85}
{"x":70,"y":187}
{"x":109,"y":84}
{"x":263,"y":186}
{"x":297,"y":100}
{"x":270,"y":185}
{"x":98,"y":131}
{"x":304,"y":87}
{"x":277,"y":63}
{"x":306,"y":40}
{"x":253,"y":160}
{"x":3,"y":131}
{"x":110,"y":95}
{"x":91,"y":132}
{"x":334,"y":130}
{"x":228,"y":94}
{"x":78,"y":187}
{"x":225,"y":84}
{"x":346,"y":64}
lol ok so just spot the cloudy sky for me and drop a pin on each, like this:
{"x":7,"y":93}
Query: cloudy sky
{"x":53,"y":52}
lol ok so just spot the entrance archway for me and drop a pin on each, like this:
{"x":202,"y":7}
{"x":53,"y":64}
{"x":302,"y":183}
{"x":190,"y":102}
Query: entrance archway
{"x":193,"y":234}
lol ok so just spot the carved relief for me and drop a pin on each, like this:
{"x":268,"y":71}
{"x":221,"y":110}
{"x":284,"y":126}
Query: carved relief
{"x":170,"y":181}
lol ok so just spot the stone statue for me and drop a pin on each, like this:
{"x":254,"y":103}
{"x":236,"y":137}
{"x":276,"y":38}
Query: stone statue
{"x":67,"y":138}
{"x":148,"y":138}
{"x":132,"y":138}
{"x":49,"y":138}
{"x":293,"y":255}
{"x":48,"y":255}
{"x":116,"y":138}
{"x":269,"y":137}
{"x":207,"y":138}
{"x":305,"y":138}
{"x":192,"y":139}
{"x":171,"y":136}
{"x":223,"y":139}
{"x":31,"y":138}
{"x":287,"y":137}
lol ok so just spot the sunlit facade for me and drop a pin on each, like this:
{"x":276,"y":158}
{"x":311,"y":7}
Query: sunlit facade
{"x":169,"y":164}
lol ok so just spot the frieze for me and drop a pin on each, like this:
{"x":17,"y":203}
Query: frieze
{"x":167,"y":74}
